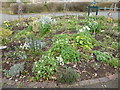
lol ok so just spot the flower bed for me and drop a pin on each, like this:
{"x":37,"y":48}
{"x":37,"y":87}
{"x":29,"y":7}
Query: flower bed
{"x":64,"y":49}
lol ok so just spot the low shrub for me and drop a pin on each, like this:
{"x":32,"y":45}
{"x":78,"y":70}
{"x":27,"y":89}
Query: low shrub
{"x":55,"y":7}
{"x":67,"y":76}
{"x":16,"y":69}
{"x":50,"y":7}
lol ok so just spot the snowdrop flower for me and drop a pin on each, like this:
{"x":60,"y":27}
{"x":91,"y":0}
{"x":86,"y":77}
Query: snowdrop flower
{"x":54,"y":21}
{"x":68,"y":20}
{"x":45,"y":19}
{"x":36,"y":65}
{"x":43,"y":56}
{"x":35,"y":62}
{"x":84,"y":28}
{"x":21,"y":46}
{"x":38,"y":71}
{"x":57,"y":41}
{"x":80,"y":30}
{"x":25,"y":46}
{"x":18,"y":24}
{"x":42,"y":60}
{"x":87,"y":27}
{"x":66,"y":41}
{"x":60,"y":59}
{"x":95,"y":22}
{"x":102,"y":30}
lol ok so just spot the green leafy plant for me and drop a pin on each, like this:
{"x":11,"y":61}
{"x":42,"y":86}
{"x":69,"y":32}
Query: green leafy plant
{"x":22,"y":34}
{"x":6,"y":24}
{"x":115,"y":45}
{"x":84,"y":40}
{"x":114,"y":62}
{"x":19,"y":53}
{"x":16,"y":69}
{"x":44,"y":28}
{"x":67,"y":76}
{"x":62,"y":47}
{"x":85,"y":56}
{"x":33,"y":43}
{"x":44,"y":68}
{"x":5,"y":35}
{"x":103,"y":57}
{"x":95,"y":24}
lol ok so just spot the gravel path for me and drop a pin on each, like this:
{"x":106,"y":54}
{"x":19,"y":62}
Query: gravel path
{"x":13,"y":17}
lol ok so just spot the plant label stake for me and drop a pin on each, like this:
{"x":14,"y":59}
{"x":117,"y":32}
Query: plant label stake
{"x":20,"y":12}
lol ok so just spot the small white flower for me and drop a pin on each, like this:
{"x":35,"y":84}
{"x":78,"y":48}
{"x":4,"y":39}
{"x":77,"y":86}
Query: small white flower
{"x":66,"y":41}
{"x":57,"y":42}
{"x":16,"y":80}
{"x":68,"y":20}
{"x":87,"y":28}
{"x":7,"y":62}
{"x":102,"y":30}
{"x":60,"y":60}
{"x":80,"y":30}
{"x":42,"y":60}
{"x":38,"y":71}
{"x":17,"y":24}
{"x":84,"y":28}
{"x":35,"y":62}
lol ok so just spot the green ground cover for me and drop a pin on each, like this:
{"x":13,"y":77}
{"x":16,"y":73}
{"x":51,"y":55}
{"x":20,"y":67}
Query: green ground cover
{"x":41,"y":48}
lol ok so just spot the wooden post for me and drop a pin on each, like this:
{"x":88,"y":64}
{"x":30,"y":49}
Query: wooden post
{"x":20,"y":12}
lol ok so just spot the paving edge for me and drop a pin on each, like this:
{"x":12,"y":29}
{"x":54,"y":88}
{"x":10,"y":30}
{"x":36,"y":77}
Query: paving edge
{"x":54,"y":85}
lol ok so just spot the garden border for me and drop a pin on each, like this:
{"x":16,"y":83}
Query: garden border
{"x":54,"y":84}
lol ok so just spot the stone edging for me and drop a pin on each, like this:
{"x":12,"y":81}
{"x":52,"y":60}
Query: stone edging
{"x":54,"y":85}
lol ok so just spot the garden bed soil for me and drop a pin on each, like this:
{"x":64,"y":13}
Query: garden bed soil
{"x":86,"y":69}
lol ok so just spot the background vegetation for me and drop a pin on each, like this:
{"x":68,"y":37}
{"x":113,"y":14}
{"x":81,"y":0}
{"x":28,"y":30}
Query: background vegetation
{"x":28,"y":7}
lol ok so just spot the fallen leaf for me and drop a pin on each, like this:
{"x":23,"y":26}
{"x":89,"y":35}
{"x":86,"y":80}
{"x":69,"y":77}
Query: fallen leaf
{"x":68,"y":62}
{"x":53,"y":77}
{"x":74,"y":66}
{"x":84,"y":71}
{"x":95,"y":74}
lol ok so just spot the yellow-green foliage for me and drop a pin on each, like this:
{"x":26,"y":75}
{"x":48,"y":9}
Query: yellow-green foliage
{"x":4,"y":33}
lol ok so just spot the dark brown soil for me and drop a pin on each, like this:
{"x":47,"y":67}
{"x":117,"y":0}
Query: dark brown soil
{"x":81,"y":17}
{"x":86,"y":69}
{"x":81,"y":24}
{"x":18,"y":28}
{"x":99,"y":37}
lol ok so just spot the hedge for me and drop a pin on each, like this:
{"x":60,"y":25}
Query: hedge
{"x":55,"y":7}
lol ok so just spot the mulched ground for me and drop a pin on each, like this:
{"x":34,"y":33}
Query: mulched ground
{"x":87,"y":69}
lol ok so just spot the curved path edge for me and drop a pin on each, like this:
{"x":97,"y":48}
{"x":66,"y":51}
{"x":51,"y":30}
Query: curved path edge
{"x":52,"y":84}
{"x":3,"y":17}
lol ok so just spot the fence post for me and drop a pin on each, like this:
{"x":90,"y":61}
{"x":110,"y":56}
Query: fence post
{"x":105,"y":8}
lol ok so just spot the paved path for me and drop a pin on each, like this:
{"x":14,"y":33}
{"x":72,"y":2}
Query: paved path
{"x":110,"y":84}
{"x":13,"y":17}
